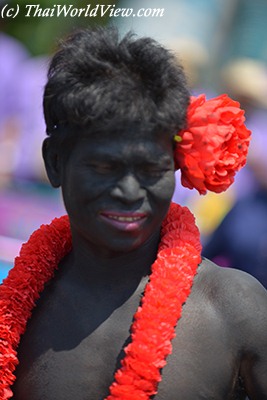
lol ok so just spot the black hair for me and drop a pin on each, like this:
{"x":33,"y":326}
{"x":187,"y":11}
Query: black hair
{"x":101,"y":82}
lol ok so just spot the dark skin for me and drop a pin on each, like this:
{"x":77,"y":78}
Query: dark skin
{"x":117,"y":190}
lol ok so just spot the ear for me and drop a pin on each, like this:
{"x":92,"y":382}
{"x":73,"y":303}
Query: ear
{"x":51,"y":161}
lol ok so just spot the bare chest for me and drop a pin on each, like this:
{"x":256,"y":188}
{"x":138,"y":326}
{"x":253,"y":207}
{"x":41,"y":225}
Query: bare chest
{"x":70,"y":352}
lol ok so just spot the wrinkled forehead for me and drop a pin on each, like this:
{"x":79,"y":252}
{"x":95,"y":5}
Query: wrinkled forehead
{"x":118,"y":144}
{"x":124,"y":150}
{"x":124,"y":131}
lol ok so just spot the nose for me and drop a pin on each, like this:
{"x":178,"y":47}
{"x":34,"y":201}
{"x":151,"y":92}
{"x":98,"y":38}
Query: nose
{"x":128,"y":189}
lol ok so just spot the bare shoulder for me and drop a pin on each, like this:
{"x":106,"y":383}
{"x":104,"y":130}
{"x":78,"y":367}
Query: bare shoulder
{"x":241,"y":302}
{"x":229,"y":278}
{"x":232,"y":286}
{"x":239,"y":297}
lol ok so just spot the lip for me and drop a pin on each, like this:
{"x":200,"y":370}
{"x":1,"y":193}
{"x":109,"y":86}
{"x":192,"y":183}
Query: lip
{"x":124,"y":221}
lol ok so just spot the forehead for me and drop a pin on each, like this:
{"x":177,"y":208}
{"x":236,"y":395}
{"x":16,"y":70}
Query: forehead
{"x":120,"y":145}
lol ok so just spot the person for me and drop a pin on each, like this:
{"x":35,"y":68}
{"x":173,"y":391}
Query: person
{"x":113,"y":301}
{"x":12,"y":54}
{"x":240,"y":237}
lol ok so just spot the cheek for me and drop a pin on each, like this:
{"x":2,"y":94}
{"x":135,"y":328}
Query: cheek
{"x":163,"y":190}
{"x":83,"y":186}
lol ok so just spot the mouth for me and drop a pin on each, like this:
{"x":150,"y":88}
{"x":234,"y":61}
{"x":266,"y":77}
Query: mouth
{"x":124,"y":221}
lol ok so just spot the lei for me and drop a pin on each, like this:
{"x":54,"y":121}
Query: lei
{"x":154,"y":323}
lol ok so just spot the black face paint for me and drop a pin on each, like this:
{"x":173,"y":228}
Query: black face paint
{"x":117,"y":188}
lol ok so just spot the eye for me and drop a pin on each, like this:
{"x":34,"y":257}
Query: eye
{"x":101,"y":167}
{"x":153,"y":171}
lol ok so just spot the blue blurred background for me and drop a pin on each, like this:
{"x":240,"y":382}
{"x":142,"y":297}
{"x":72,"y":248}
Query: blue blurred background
{"x":223,"y":47}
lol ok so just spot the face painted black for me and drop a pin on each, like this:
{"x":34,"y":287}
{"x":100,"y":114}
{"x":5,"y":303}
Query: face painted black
{"x":117,"y":189}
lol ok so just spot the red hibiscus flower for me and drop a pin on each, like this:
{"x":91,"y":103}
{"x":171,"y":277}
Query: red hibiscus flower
{"x":214,"y":146}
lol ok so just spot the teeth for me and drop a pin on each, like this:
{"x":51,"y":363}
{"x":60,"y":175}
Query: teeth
{"x":124,"y":219}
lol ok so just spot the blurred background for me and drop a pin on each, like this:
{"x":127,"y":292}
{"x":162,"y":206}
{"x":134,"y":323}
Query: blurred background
{"x":223,"y":47}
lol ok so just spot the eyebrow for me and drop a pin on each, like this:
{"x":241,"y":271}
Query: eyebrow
{"x":154,"y":158}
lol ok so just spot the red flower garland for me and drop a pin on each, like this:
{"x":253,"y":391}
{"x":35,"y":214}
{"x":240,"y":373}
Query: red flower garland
{"x":154,"y":322}
{"x":34,"y":267}
{"x":214,"y":146}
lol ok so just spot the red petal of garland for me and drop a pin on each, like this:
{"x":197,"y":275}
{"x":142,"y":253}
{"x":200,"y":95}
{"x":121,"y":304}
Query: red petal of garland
{"x":34,"y":267}
{"x":154,"y":321}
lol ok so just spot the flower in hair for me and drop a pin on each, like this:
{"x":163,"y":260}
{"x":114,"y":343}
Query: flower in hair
{"x":214,"y":145}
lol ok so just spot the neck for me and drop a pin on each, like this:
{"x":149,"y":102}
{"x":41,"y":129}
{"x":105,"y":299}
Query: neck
{"x":87,"y":265}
